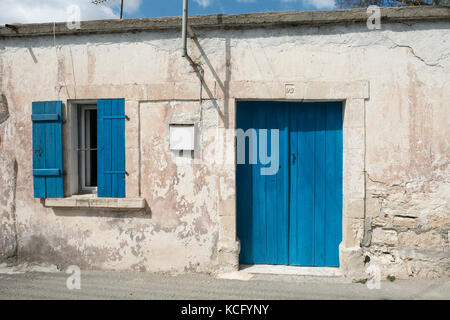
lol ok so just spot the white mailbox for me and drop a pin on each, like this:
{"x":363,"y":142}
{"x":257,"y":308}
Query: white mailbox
{"x":182,"y":137}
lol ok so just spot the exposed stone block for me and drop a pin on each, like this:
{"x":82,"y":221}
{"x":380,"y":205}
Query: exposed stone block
{"x":384,"y":237}
{"x":435,"y":221}
{"x":380,"y":221}
{"x":422,"y":241}
{"x":404,"y":222}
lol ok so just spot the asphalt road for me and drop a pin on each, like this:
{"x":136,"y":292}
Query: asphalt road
{"x":132,"y":285}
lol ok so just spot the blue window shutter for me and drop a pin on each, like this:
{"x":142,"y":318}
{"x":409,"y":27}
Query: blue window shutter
{"x":111,"y":148}
{"x":47,"y":149}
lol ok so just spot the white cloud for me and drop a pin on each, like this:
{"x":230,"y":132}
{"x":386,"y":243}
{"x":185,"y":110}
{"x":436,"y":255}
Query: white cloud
{"x":204,"y":3}
{"x":318,"y":4}
{"x":321,"y":4}
{"x":33,"y":11}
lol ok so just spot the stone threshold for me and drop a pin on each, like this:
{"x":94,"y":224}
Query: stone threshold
{"x":285,"y":273}
{"x":91,"y":201}
{"x":292,"y":270}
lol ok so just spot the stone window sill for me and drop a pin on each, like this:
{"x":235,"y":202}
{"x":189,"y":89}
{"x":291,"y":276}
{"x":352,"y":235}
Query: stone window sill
{"x":91,"y":201}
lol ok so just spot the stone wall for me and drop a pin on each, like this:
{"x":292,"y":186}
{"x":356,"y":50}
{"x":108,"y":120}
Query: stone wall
{"x":409,"y":226}
{"x":398,"y":141}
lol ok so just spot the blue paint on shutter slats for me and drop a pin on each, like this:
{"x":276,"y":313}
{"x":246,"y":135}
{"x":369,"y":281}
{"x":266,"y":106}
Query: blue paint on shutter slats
{"x":295,"y":216}
{"x":111,"y":148}
{"x":47,"y":149}
{"x":46,"y":172}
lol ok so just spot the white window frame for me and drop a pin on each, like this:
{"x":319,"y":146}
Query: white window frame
{"x":76,"y":184}
{"x":84,"y":156}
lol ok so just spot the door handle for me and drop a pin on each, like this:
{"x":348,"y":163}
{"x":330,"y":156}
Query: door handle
{"x":294,"y":157}
{"x":37,"y":151}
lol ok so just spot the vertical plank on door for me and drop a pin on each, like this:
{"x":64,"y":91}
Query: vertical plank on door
{"x":259,"y":240}
{"x":320,"y":197}
{"x":244,"y":209}
{"x":301,"y":220}
{"x":333,"y":174}
{"x":244,"y":191}
{"x":277,"y":185}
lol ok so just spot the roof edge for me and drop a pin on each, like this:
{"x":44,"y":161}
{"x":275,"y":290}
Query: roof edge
{"x":226,"y":21}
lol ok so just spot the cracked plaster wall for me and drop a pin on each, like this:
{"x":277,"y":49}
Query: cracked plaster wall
{"x":406,"y":227}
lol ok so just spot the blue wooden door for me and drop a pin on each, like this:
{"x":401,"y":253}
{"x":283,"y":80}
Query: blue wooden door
{"x":315,"y":219}
{"x":262,"y":200}
{"x":294,"y":216}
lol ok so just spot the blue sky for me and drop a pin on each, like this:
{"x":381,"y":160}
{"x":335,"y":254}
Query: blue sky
{"x":34,"y":11}
{"x":159,"y":8}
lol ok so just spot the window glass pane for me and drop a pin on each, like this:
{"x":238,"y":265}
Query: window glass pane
{"x":91,"y":147}
{"x":93,"y":144}
{"x":87,"y":149}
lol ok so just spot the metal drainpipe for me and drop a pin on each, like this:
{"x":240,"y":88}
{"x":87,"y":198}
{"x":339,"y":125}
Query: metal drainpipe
{"x":184,"y":27}
{"x":185,"y":30}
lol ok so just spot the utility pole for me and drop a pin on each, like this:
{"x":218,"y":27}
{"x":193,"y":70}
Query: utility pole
{"x":102,"y":1}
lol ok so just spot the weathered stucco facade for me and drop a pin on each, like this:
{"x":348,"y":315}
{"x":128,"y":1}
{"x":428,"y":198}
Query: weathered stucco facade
{"x":394,"y":83}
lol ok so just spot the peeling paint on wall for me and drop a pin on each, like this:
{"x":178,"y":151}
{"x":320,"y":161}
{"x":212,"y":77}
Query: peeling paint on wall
{"x":406,"y":133}
{"x":8,"y":231}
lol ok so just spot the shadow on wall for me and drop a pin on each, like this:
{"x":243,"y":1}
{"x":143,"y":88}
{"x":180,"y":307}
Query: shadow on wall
{"x":4,"y":112}
{"x":224,"y":86}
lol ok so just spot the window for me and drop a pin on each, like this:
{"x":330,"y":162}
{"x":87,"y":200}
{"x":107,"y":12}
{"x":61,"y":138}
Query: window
{"x":96,"y":148}
{"x":87,"y":148}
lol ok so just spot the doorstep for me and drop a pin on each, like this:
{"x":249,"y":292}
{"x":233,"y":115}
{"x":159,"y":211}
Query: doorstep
{"x":291,"y":270}
{"x":286,"y":273}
